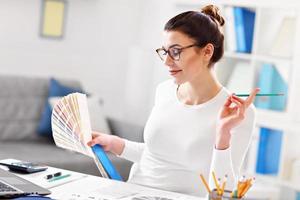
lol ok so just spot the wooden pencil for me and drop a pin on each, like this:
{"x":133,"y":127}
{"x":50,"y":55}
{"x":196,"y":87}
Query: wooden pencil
{"x":216,"y":182}
{"x":205,"y":183}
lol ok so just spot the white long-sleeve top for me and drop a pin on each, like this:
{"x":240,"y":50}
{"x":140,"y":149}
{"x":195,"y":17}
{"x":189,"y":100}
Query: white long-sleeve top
{"x":180,"y":144}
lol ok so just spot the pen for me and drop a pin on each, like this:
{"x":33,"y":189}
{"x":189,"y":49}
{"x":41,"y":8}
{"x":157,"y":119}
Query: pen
{"x":49,"y":176}
{"x":59,"y":177}
{"x":259,"y":95}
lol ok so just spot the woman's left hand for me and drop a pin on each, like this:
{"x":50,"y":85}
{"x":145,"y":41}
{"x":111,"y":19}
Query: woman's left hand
{"x":231,"y":115}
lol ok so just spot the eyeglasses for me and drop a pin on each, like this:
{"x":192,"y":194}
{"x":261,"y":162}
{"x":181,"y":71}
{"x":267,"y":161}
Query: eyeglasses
{"x":173,"y":52}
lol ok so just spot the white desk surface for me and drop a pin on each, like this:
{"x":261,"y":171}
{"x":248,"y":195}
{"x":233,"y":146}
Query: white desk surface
{"x":87,"y":187}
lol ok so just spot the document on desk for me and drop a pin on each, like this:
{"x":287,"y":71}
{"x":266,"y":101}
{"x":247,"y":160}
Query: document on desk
{"x":102,"y":189}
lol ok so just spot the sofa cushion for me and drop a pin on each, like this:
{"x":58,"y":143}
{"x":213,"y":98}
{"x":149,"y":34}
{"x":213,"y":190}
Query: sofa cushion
{"x":56,"y":89}
{"x":21,"y":100}
{"x":126,"y":130}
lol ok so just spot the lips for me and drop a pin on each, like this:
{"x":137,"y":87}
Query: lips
{"x":174,"y":72}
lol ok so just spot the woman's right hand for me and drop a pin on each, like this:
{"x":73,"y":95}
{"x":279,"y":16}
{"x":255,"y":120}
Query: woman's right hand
{"x":110,"y":143}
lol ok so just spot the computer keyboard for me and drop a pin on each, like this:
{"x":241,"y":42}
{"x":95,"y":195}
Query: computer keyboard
{"x":6,"y":188}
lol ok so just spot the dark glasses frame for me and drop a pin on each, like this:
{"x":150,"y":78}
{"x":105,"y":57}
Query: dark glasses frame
{"x":170,"y":54}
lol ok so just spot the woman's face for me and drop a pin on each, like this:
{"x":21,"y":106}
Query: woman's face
{"x":193,"y":61}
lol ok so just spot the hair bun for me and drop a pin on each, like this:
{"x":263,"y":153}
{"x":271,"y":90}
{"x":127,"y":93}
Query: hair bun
{"x":214,"y":12}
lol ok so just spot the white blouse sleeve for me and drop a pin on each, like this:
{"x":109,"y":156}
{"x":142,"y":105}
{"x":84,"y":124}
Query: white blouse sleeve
{"x":230,"y":161}
{"x":132,"y":151}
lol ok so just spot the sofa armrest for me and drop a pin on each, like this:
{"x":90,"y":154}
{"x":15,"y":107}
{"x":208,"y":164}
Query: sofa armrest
{"x":126,"y":130}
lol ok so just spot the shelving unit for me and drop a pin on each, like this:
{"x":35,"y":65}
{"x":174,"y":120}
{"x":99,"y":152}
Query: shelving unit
{"x":264,"y":50}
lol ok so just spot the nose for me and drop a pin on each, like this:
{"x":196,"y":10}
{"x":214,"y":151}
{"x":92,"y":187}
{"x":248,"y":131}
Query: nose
{"x":168,"y":61}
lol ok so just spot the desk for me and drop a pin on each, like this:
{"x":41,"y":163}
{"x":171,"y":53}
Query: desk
{"x":87,"y":187}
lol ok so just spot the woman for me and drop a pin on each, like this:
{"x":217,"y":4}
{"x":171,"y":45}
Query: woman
{"x":196,"y":126}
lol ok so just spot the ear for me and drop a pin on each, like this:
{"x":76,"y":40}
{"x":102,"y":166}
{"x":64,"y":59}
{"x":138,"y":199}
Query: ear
{"x":208,"y":51}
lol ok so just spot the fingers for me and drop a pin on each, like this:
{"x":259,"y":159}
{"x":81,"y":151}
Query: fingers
{"x":96,"y":140}
{"x":228,"y":101}
{"x":237,"y":100}
{"x":240,"y":105}
{"x":242,"y":101}
{"x":96,"y":134}
{"x":251,"y":98}
{"x":91,"y":143}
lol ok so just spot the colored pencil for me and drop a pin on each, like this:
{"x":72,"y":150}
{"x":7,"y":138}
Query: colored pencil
{"x":205,"y":183}
{"x":216,"y":182}
{"x":260,"y":95}
{"x":224,"y":184}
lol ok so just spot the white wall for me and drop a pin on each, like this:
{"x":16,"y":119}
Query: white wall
{"x":108,"y":45}
{"x":145,"y":69}
{"x":94,"y":50}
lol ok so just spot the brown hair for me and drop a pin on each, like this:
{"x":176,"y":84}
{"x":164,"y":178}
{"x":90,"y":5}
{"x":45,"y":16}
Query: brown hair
{"x":203,"y":27}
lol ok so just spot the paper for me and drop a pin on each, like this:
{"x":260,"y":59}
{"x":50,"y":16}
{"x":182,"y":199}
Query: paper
{"x":100,"y":189}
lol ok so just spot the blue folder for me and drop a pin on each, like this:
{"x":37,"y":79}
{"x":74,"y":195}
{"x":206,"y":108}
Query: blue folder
{"x":244,"y":19}
{"x":265,"y":83}
{"x":106,"y":163}
{"x":270,"y":81}
{"x":279,"y":86}
{"x":269,"y":151}
{"x":298,"y":196}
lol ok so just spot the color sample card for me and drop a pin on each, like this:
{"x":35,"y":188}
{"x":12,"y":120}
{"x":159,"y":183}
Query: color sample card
{"x":71,"y":126}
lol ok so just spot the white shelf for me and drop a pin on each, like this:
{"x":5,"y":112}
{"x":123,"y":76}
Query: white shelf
{"x":288,"y":121}
{"x":240,"y":3}
{"x":276,"y":120}
{"x":236,"y":55}
{"x":271,"y":59}
{"x":255,"y":57}
{"x":287,"y":66}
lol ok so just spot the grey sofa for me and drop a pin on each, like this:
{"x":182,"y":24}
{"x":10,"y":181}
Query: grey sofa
{"x":21,"y":101}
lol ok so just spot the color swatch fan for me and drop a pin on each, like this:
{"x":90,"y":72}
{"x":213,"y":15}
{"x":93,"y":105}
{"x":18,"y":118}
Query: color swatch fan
{"x":72,"y":130}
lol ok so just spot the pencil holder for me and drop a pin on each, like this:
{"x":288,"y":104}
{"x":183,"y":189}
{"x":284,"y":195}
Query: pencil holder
{"x":226,"y":196}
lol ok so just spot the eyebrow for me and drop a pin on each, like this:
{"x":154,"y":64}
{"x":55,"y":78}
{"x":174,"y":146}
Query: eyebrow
{"x":173,"y":45}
